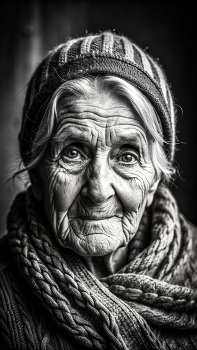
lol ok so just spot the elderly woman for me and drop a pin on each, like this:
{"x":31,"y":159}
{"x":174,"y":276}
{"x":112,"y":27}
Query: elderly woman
{"x":97,"y":254}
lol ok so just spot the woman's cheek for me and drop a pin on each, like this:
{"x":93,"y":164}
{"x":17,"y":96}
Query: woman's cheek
{"x":60,"y":192}
{"x":64,"y":191}
{"x":132,"y":195}
{"x":133,"y":191}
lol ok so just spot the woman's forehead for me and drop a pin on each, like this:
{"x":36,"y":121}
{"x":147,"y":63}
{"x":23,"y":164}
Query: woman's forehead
{"x":91,"y":128}
{"x":87,"y":119}
{"x":98,"y":108}
{"x":95,"y":98}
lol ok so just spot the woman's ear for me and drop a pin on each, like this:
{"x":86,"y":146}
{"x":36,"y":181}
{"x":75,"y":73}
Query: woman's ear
{"x":151,"y":193}
{"x":36,"y":184}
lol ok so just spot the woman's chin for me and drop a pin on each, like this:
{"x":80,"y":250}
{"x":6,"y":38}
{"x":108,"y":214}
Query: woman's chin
{"x":94,"y":244}
{"x":98,"y":245}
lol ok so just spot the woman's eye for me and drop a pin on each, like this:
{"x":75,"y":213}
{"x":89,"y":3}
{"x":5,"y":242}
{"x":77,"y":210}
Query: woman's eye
{"x":71,"y":154}
{"x":128,"y":158}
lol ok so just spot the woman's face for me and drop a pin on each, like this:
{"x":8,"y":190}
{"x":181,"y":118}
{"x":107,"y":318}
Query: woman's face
{"x":97,"y":176}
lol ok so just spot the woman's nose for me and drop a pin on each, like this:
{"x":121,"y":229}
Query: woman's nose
{"x":98,"y":187}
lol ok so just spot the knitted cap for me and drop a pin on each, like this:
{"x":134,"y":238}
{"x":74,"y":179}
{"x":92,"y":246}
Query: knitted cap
{"x":104,"y":53}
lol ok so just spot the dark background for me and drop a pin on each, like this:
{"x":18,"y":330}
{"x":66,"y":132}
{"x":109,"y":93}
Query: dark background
{"x":30,"y":29}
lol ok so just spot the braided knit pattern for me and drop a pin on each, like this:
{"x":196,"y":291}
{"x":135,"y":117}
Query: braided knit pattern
{"x":43,"y":280}
{"x":16,"y":316}
{"x":161,"y":276}
{"x":43,"y":266}
{"x":156,"y":288}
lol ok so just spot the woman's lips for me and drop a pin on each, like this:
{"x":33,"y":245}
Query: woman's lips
{"x":100,"y":216}
{"x":87,"y":210}
{"x":96,"y":217}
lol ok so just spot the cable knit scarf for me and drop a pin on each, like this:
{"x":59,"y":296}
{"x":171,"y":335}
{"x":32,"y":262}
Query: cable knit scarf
{"x":151,"y":303}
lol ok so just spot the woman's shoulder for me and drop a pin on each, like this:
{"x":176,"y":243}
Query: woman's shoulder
{"x":193,"y":234}
{"x":6,"y":267}
{"x":192,"y":228}
{"x":4,"y":253}
{"x":8,"y":271}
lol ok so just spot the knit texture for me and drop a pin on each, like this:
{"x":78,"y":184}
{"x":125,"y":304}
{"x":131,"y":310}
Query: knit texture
{"x":105,"y":53}
{"x":50,"y":300}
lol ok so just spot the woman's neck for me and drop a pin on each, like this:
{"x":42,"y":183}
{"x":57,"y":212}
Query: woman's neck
{"x":102,"y":266}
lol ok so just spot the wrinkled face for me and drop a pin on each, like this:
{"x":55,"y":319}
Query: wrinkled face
{"x":97,"y":177}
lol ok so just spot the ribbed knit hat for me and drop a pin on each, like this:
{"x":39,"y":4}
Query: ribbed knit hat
{"x":104,"y":53}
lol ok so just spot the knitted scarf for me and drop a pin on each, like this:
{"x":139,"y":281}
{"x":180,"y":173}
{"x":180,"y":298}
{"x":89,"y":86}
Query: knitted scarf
{"x":52,"y":301}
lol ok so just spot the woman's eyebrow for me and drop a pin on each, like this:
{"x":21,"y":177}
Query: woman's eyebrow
{"x":73,"y":133}
{"x":128,"y":136}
